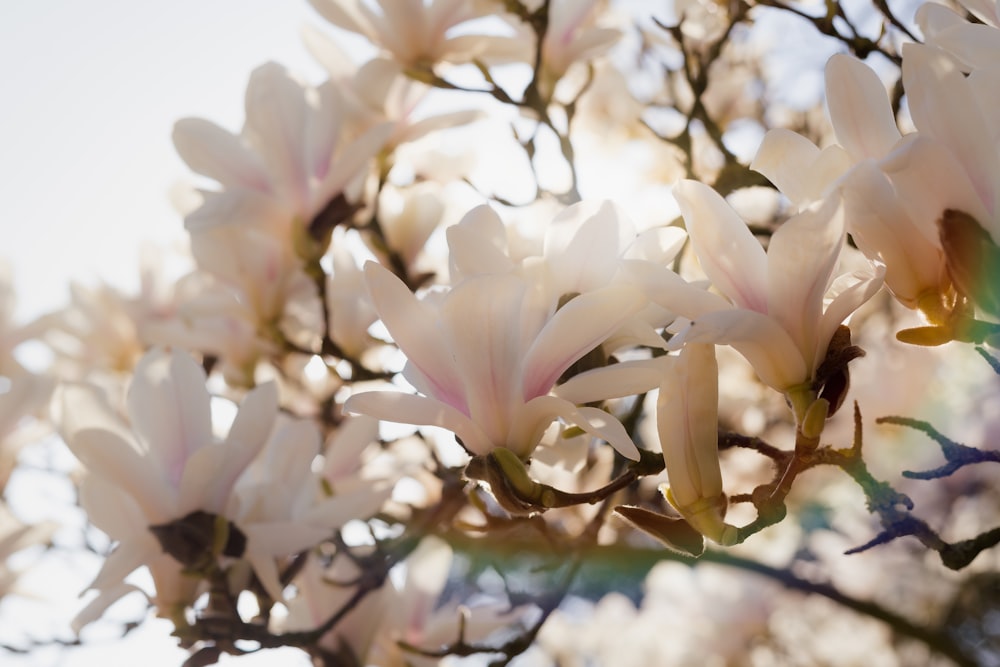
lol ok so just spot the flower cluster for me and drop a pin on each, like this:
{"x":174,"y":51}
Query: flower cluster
{"x":389,"y":413}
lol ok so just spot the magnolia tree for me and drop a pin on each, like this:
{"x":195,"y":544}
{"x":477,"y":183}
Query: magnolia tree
{"x":528,"y":340}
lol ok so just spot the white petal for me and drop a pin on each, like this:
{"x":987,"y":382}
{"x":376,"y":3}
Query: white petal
{"x":214,"y":152}
{"x":729,"y":254}
{"x":169,"y":407}
{"x":626,"y":378}
{"x":576,"y":328}
{"x":801,"y":258}
{"x":394,"y":406}
{"x":859,"y":108}
{"x":765,"y":344}
{"x":417,"y":330}
{"x":478,"y":244}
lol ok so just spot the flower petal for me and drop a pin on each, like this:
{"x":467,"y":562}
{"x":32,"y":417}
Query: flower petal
{"x":417,"y":330}
{"x":731,"y":257}
{"x":575,"y":329}
{"x":395,"y":406}
{"x":760,"y":339}
{"x":859,"y":108}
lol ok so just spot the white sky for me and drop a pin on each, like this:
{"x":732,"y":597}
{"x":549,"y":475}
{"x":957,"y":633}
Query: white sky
{"x":89,"y":92}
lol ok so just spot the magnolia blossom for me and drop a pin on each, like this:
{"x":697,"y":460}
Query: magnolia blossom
{"x":584,"y":248}
{"x":485,"y":355}
{"x":687,"y":416}
{"x":379,"y":92}
{"x":781,"y":307}
{"x":952,"y":162}
{"x":572,"y":36}
{"x":974,"y":45}
{"x":280,"y":506}
{"x":419,"y":33}
{"x":285,"y":167}
{"x":163,"y":465}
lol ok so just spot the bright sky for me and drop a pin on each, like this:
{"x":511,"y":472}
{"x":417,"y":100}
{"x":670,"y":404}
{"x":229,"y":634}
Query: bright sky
{"x":90,"y":94}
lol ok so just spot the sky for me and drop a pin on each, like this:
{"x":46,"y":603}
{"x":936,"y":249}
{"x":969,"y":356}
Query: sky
{"x":89,"y":93}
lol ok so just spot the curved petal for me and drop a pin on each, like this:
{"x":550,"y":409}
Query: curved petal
{"x":627,"y":378}
{"x":218,"y":154}
{"x":785,"y":157}
{"x":668,"y":290}
{"x":417,"y":330}
{"x":846,"y":302}
{"x":731,"y":257}
{"x":394,"y":406}
{"x":942,"y":105}
{"x":687,"y":421}
{"x":483,"y":316}
{"x":859,"y":108}
{"x":575,"y":329}
{"x":112,"y":458}
{"x":801,"y":259}
{"x":760,"y":339}
{"x":533,"y":417}
{"x":478,"y":244}
{"x":883,"y":230}
{"x":170,"y":409}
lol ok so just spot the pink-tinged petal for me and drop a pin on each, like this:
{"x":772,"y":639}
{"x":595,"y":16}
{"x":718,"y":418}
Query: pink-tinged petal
{"x":801,"y":171}
{"x":170,"y":409}
{"x":759,"y":338}
{"x":934,"y":18}
{"x":849,"y":293}
{"x":417,"y":330}
{"x":110,"y":457}
{"x":343,"y":453}
{"x":478,"y":244}
{"x":218,"y":154}
{"x":942,"y":105}
{"x":859,"y":108}
{"x":801,"y":259}
{"x":349,"y":164}
{"x":668,"y":290}
{"x":250,"y":431}
{"x":346,"y":15}
{"x":276,"y":113}
{"x":731,"y":257}
{"x":575,"y":329}
{"x":482,"y":315}
{"x":882,"y":230}
{"x":627,"y":378}
{"x":394,"y":406}
{"x":236,"y":206}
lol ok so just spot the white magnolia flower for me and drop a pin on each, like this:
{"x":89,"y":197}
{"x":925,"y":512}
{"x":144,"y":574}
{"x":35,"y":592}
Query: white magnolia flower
{"x":287,"y":164}
{"x":952,"y":162}
{"x":162,"y":465}
{"x":419,"y":33}
{"x":486,"y":354}
{"x":781,"y":307}
{"x":279,"y":504}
